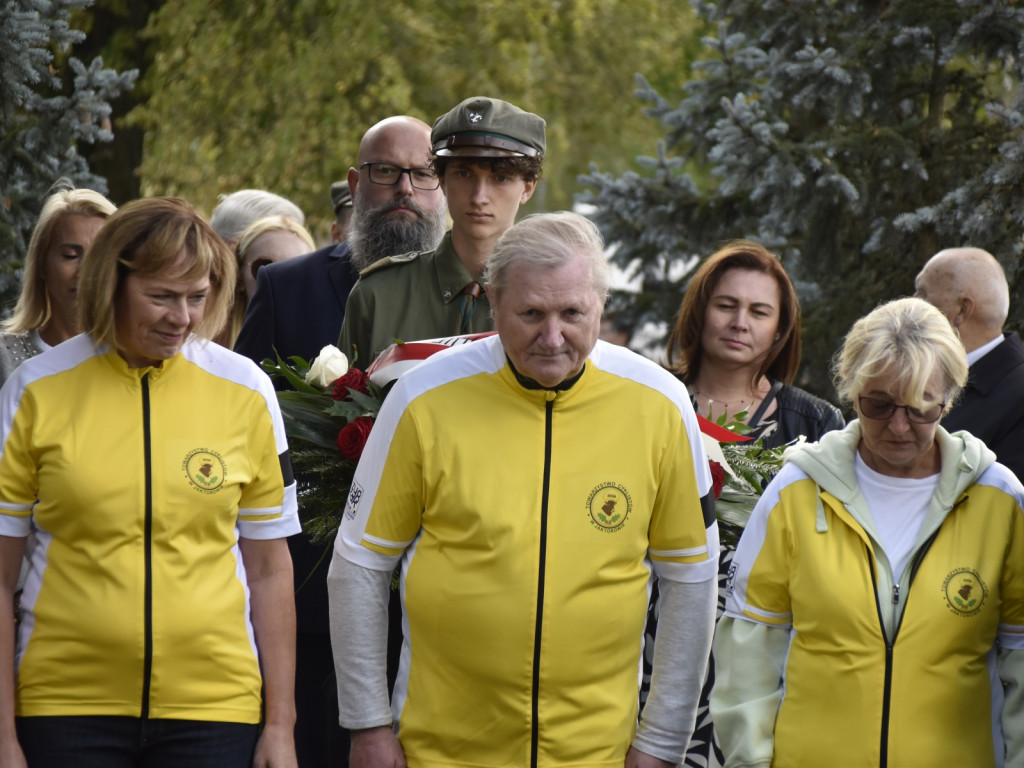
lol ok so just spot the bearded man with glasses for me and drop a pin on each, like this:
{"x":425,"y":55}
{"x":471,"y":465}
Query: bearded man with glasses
{"x":875,"y":606}
{"x":395,"y":210}
{"x":487,"y":156}
{"x":297,"y":308}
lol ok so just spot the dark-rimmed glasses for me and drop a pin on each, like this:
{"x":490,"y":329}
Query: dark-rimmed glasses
{"x":882,"y":410}
{"x":387,"y":174}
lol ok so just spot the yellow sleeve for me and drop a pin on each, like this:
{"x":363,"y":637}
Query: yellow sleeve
{"x":684,"y":530}
{"x":385,"y":504}
{"x":268,"y":507}
{"x":19,"y":480}
{"x":758,"y":586}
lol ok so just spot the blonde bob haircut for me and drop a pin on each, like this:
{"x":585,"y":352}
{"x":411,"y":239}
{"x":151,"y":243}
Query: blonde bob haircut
{"x":911,"y":338}
{"x":549,"y":241}
{"x":157,"y":236}
{"x":252,"y":233}
{"x":271,"y":224}
{"x":33,"y":308}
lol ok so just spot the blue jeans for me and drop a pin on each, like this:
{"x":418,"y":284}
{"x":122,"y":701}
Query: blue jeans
{"x":129,"y":742}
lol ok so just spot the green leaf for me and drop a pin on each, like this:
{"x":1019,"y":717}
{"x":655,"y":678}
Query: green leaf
{"x":346,"y":410}
{"x":371,"y":403}
{"x":294,"y":374}
{"x":305,"y":418}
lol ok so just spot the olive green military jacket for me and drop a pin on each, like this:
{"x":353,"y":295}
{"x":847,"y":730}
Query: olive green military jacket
{"x":406,"y":298}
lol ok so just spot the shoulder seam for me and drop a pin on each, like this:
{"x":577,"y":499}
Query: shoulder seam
{"x":389,"y":261}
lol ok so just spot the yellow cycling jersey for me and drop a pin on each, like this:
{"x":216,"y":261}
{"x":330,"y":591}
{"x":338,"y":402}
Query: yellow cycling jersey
{"x":902,"y":666}
{"x":527,"y":522}
{"x":133,"y":486}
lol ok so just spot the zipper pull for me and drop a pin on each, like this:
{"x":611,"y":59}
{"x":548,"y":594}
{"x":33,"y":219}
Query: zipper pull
{"x":895,"y":594}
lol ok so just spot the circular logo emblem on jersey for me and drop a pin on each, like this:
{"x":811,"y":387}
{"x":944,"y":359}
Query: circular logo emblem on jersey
{"x":965,"y":592}
{"x":609,"y":506}
{"x":205,"y":470}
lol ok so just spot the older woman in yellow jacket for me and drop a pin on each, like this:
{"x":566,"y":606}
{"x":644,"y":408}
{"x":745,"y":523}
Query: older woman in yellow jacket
{"x":875,"y":608}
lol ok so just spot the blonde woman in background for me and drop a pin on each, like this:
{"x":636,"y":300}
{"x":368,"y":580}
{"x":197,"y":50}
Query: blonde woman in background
{"x":265,"y":241}
{"x":47,"y":310}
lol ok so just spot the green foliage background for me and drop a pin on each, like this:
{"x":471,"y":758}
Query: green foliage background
{"x":277,"y":94}
{"x":854,"y":138}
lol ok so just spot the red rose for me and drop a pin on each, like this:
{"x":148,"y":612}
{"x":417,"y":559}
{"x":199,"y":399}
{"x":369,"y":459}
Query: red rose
{"x":717,"y":478}
{"x":352,"y":437}
{"x":354,"y":379}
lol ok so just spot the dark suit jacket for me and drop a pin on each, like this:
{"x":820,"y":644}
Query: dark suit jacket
{"x":992,"y":405}
{"x":297,"y":309}
{"x":298,"y":305}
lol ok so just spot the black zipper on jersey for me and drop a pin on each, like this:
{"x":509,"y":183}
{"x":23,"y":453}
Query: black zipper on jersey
{"x":883,"y":751}
{"x":147,"y":659}
{"x":534,"y":730}
{"x":883,"y":754}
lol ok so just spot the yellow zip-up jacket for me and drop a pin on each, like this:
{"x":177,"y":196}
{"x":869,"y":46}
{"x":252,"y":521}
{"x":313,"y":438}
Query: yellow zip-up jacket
{"x":527,"y":523}
{"x":873,"y":668}
{"x":133,"y":486}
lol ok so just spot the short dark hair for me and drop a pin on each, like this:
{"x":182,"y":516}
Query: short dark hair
{"x":528,"y":168}
{"x":684,"y":350}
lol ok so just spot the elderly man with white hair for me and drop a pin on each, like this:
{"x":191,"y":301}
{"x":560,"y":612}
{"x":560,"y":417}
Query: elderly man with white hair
{"x":529,"y":486}
{"x":969,"y":287}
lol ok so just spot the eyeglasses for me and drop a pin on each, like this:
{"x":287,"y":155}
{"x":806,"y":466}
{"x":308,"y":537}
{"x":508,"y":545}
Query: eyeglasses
{"x":389,"y":175}
{"x":876,"y":408}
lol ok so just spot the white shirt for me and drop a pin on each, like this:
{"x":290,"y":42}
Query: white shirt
{"x":976,"y":354}
{"x":897,"y":506}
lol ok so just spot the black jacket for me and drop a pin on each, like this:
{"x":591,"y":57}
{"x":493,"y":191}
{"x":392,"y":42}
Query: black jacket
{"x":798,"y":413}
{"x":298,"y":305}
{"x":992,"y":405}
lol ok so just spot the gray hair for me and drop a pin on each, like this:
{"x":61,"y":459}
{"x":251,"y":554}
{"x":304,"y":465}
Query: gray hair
{"x":548,"y":241}
{"x":235,"y":212}
{"x":909,"y":337}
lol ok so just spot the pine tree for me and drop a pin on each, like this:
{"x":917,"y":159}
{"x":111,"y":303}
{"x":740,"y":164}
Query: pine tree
{"x":855,"y":138}
{"x":40,"y":126}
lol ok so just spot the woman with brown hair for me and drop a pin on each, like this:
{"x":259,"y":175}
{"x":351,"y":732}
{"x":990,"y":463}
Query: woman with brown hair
{"x":736,"y":346}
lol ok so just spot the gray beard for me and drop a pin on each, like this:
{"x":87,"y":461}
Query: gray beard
{"x":373,"y":236}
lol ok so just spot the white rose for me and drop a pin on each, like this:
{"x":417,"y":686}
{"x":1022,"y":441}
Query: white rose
{"x":329,"y":366}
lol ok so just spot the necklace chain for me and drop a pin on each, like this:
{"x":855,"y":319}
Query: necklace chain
{"x":747,"y":404}
{"x":724,"y":402}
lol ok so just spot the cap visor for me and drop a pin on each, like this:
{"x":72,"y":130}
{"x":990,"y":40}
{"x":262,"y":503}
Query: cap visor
{"x":477,"y":152}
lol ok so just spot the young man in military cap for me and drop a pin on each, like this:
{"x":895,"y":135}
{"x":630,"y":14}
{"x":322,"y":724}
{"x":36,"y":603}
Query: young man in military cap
{"x":487,"y":157}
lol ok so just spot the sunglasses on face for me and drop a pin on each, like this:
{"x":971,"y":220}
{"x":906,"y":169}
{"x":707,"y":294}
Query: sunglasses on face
{"x":882,"y":410}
